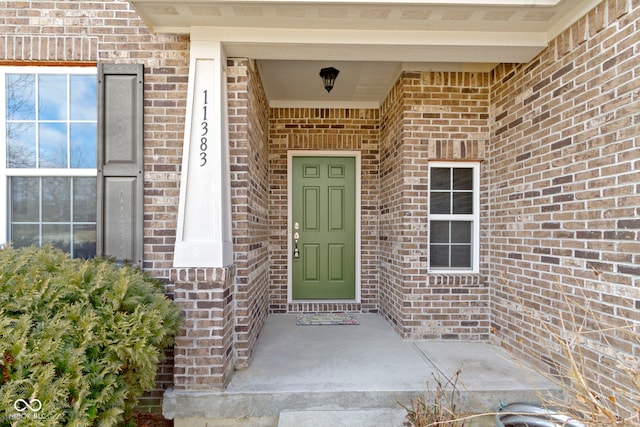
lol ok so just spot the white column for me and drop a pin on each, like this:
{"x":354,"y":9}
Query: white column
{"x":204,"y":214}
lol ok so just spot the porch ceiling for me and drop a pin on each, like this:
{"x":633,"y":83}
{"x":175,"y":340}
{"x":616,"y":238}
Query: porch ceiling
{"x":369,"y":41}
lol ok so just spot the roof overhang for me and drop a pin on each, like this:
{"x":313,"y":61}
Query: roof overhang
{"x":470,"y":35}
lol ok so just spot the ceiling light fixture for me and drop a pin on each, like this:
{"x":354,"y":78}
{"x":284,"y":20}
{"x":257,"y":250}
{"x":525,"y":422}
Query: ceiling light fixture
{"x":329,"y":77}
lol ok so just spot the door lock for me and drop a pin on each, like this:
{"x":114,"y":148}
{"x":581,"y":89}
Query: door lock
{"x":296,"y":237}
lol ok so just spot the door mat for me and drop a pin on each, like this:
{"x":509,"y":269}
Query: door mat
{"x":318,"y":319}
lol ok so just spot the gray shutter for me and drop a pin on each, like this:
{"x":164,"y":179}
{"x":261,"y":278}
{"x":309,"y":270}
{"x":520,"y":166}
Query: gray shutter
{"x":120,"y":162}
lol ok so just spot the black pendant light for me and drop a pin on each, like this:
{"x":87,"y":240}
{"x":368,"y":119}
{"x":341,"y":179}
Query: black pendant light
{"x":329,"y":77}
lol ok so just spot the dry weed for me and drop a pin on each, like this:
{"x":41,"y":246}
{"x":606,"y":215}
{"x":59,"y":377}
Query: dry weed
{"x":437,"y":407}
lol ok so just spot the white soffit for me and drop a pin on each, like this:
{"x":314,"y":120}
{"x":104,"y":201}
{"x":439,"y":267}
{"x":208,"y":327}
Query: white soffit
{"x":547,"y":17}
{"x":384,"y":36}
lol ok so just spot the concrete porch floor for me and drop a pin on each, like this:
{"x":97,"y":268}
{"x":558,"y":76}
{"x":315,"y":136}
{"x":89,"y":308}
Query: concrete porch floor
{"x":302,"y":375}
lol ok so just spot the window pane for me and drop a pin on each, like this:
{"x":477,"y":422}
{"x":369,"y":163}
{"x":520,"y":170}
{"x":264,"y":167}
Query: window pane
{"x":49,"y":139}
{"x":58,"y":235}
{"x":83,"y":145}
{"x":52,"y":97}
{"x":53,"y":225}
{"x":461,"y":256}
{"x":84,"y":200}
{"x":439,"y":232}
{"x":21,"y":145}
{"x":461,"y":231}
{"x":463,"y":179}
{"x":56,"y":200}
{"x":83,"y":97}
{"x":53,"y":145}
{"x":439,"y":256}
{"x":25,"y":235}
{"x":451,"y":195}
{"x":51,"y":122}
{"x":25,"y":198}
{"x":84,"y":241}
{"x":462,"y":203}
{"x":440,"y":203}
{"x":440,"y":178}
{"x":21,"y":96}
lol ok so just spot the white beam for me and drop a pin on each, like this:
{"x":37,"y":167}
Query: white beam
{"x":369,"y":37}
{"x":369,"y":45}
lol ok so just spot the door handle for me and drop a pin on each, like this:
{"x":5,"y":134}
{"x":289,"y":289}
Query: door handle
{"x":296,"y":251}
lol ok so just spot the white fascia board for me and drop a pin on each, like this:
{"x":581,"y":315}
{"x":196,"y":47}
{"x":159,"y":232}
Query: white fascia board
{"x":368,"y":37}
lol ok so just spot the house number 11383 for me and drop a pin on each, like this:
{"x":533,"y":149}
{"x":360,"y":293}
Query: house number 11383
{"x":204,"y":124}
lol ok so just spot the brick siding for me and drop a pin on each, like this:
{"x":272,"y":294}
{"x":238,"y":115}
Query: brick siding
{"x":439,"y":116}
{"x":204,"y":355}
{"x":249,"y":159}
{"x":429,"y":116}
{"x":323,"y":129}
{"x":564,"y":165}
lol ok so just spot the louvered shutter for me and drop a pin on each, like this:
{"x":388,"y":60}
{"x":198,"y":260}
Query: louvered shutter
{"x":120,"y":162}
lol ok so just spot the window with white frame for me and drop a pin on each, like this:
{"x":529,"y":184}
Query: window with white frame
{"x":48,"y":160}
{"x":454,"y":202}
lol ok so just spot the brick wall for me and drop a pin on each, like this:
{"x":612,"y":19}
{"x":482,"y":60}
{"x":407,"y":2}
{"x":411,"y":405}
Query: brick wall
{"x":429,"y":116}
{"x":204,"y":356}
{"x":248,"y":136}
{"x":564,"y":165}
{"x":322,"y":129}
{"x":391,"y":285}
{"x":56,"y":30}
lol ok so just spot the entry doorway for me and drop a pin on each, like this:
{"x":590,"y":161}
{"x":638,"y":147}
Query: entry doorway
{"x":324,"y":226}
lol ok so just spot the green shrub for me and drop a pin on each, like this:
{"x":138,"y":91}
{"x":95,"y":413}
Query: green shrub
{"x":83,"y":337}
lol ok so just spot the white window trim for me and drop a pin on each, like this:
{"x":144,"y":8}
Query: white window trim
{"x":475,"y":218}
{"x":5,"y":173}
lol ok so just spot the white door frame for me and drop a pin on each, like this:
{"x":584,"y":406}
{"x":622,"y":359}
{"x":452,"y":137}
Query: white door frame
{"x":321,"y":153}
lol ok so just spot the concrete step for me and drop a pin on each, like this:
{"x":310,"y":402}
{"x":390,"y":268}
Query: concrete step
{"x":332,"y":408}
{"x":353,"y":418}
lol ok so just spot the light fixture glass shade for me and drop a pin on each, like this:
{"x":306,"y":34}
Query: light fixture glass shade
{"x":329,"y":77}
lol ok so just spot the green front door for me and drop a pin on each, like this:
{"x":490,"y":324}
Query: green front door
{"x":323,"y":220}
